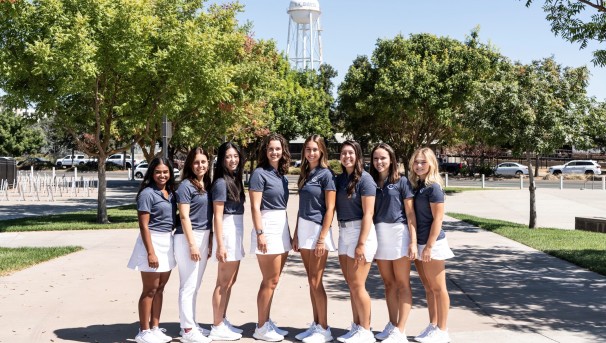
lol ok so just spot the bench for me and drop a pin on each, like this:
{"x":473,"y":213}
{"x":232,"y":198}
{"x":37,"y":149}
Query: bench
{"x":594,"y":224}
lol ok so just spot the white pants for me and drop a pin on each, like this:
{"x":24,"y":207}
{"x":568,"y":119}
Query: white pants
{"x":190,"y":275}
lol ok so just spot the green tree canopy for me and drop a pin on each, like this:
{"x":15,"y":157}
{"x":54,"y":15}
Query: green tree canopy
{"x":578,"y":21}
{"x":19,"y":134}
{"x":412,"y":92}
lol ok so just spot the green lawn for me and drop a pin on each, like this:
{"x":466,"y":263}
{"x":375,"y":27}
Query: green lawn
{"x":122,"y":217}
{"x":453,"y":190}
{"x":14,"y":259}
{"x":583,"y":248}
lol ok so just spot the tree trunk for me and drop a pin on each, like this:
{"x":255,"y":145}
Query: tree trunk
{"x":102,"y":217}
{"x":532,"y":223}
{"x":537,"y":164}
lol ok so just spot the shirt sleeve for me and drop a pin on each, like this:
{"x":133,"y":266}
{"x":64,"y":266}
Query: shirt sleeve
{"x":328,"y":181}
{"x":219,"y":191}
{"x":368,"y":187}
{"x":437,"y":194}
{"x":145,"y":201}
{"x":406,"y":188}
{"x":183,"y":193}
{"x":257,"y":182}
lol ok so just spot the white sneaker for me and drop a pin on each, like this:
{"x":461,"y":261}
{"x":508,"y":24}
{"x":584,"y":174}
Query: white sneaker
{"x":194,"y":336}
{"x":160,"y":333}
{"x":385,"y":333}
{"x":277,"y":329}
{"x":307,"y":332}
{"x":147,"y":336}
{"x":231,"y":327}
{"x":352,"y":330}
{"x":267,"y":333}
{"x":395,"y":336}
{"x":319,"y":335}
{"x":421,"y":337}
{"x":437,"y":336}
{"x":222,"y":332}
{"x":203,"y":331}
{"x":361,"y":336}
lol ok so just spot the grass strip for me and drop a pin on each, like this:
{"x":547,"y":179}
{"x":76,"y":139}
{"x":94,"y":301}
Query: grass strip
{"x":121,"y":217}
{"x":453,"y":190}
{"x":14,"y":259}
{"x":583,"y":248}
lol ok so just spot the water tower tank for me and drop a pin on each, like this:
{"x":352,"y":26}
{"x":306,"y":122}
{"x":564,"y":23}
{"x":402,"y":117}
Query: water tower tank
{"x":300,"y":10}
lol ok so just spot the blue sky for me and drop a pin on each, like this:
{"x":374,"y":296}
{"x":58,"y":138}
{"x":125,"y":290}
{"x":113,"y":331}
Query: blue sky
{"x":351,"y":28}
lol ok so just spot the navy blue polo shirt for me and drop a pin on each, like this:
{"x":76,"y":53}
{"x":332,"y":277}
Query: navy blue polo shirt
{"x":200,"y":210}
{"x":312,"y":196}
{"x":162,"y":211}
{"x":219,"y":194}
{"x":349,"y":209}
{"x":425,"y":195}
{"x":389,"y":204}
{"x":273,"y":185}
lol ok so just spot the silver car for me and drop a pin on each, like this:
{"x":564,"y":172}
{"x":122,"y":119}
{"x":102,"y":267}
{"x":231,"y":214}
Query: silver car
{"x":511,"y":168}
{"x":141,"y":169}
{"x":587,"y":167}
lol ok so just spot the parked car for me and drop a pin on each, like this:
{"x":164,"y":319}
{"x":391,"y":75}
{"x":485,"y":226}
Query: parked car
{"x":588,"y":167}
{"x":141,"y":169}
{"x":36,"y":162}
{"x":453,"y":168}
{"x":511,"y":168}
{"x":120,"y":160}
{"x":75,"y":160}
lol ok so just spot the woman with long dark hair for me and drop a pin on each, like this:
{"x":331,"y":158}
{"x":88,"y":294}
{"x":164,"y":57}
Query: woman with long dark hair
{"x":228,"y":224}
{"x":192,"y":239}
{"x":313,"y":237}
{"x":395,"y":223}
{"x":153,"y":254}
{"x":356,"y":192}
{"x":270,"y":237}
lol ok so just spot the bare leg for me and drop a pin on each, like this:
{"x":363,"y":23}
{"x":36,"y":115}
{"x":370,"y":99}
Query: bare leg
{"x":356,"y":279}
{"x":315,"y":271}
{"x":354,"y":311}
{"x":435,"y":274}
{"x":271,"y":267}
{"x":226,"y":276}
{"x":429,"y":296}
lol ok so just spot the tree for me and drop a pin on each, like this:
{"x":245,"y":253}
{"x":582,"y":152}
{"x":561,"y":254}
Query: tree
{"x":533,"y":109}
{"x":108,"y":70}
{"x":412,"y":92}
{"x":578,"y":21}
{"x":19,"y":134}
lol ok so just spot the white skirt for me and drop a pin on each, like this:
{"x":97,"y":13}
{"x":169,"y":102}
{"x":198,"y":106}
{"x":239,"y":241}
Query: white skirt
{"x":163,"y":247}
{"x":233,"y":238}
{"x":439,"y":251}
{"x":275,"y":228}
{"x":393,"y":240}
{"x":349,"y":232}
{"x":308,"y":233}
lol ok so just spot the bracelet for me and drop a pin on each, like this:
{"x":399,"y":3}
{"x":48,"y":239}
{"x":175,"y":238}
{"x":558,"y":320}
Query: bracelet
{"x":259,"y":232}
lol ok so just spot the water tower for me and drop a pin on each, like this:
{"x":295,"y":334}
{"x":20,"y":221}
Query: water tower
{"x":304,"y":44}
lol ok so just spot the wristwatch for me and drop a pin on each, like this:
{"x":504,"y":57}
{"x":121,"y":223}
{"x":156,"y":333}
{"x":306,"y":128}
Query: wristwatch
{"x":259,"y":232}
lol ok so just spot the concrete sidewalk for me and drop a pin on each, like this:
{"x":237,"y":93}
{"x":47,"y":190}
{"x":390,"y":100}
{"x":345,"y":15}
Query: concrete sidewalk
{"x":501,"y":291}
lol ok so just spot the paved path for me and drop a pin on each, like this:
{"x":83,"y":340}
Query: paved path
{"x":501,"y":291}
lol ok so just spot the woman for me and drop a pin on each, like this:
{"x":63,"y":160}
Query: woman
{"x":228,"y":249}
{"x":432,"y":244}
{"x":397,"y":240}
{"x":192,"y":239}
{"x":356,"y":193}
{"x":153,"y":253}
{"x":312,"y":237}
{"x":270,"y":238}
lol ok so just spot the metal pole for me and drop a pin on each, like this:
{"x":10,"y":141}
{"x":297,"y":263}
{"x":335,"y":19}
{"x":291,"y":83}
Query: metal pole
{"x":561,"y":181}
{"x":604,"y":183}
{"x":446,"y":179}
{"x":164,"y":137}
{"x":521,"y":181}
{"x":483,"y":182}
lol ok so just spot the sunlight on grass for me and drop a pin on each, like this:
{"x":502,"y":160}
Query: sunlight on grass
{"x":14,"y":259}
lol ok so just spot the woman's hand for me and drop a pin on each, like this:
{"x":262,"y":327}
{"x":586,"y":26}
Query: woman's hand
{"x":412,"y":251}
{"x":152,"y":260}
{"x":221,"y":254}
{"x":262,"y":243}
{"x":194,"y":253}
{"x":295,"y":243}
{"x":426,"y":255}
{"x":359,"y":254}
{"x":320,"y":248}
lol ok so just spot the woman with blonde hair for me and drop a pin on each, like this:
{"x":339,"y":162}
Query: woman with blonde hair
{"x":432,"y":246}
{"x":313,"y":237}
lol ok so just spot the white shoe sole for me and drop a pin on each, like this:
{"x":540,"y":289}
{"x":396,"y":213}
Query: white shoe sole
{"x":256,"y":336}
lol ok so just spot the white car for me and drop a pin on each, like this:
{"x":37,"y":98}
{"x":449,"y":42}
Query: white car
{"x":141,"y":169}
{"x":120,"y":160}
{"x":75,"y":160}
{"x":511,"y":168}
{"x":587,"y":167}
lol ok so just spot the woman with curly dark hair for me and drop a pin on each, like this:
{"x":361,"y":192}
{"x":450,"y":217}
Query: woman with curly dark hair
{"x":270,"y":237}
